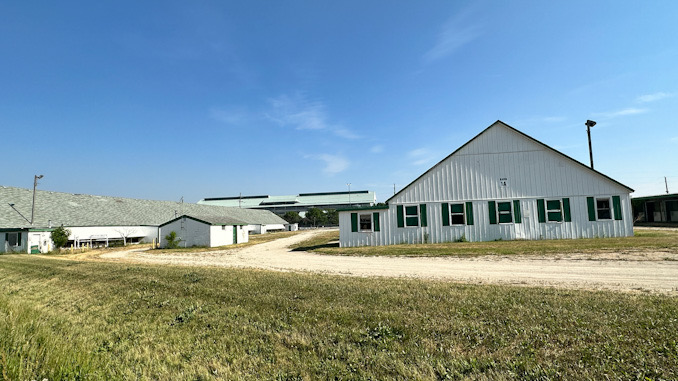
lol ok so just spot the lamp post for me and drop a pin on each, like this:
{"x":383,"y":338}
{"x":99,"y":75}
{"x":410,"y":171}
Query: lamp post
{"x":589,"y":124}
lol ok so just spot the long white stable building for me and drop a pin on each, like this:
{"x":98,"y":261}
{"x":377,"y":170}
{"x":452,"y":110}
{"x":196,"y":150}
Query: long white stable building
{"x":502,"y":184}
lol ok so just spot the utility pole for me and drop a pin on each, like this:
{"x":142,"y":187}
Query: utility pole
{"x":589,"y":124}
{"x":667,"y":185}
{"x":394,"y":189}
{"x":35,"y":185}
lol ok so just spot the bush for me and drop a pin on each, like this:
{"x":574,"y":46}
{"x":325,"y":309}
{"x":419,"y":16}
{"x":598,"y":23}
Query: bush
{"x":172,"y":240}
{"x":60,"y":237}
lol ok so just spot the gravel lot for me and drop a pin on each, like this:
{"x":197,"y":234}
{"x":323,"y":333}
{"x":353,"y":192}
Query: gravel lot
{"x":637,"y":271}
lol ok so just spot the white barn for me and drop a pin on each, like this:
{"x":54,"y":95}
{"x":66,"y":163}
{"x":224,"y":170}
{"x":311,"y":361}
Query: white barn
{"x":210,"y":231}
{"x":502,"y":184}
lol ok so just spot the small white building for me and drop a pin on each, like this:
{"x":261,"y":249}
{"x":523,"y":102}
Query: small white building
{"x":502,"y":184}
{"x":210,"y":231}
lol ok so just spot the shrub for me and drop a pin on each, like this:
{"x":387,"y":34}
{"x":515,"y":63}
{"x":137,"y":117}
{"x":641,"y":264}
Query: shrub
{"x":60,"y":237}
{"x":172,"y":240}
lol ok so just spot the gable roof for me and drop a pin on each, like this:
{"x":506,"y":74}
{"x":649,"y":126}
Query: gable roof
{"x":87,"y":210}
{"x":502,"y":124}
{"x":209,"y":220}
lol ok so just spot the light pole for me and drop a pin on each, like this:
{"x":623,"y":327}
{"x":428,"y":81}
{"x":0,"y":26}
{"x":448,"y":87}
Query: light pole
{"x":35,"y":184}
{"x":349,"y":193}
{"x":589,"y":124}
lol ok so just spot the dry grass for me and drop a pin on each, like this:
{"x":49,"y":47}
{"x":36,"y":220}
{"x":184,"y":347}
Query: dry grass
{"x":92,"y":320}
{"x":644,"y":240}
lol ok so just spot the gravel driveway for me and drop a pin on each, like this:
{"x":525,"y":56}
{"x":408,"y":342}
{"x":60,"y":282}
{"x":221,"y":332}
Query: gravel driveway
{"x":653,"y":272}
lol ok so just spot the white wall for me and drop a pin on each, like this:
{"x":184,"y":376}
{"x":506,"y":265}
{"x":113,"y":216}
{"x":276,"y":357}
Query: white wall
{"x":190,"y":231}
{"x":223,"y":235}
{"x":530,"y":227}
{"x":85,"y":233}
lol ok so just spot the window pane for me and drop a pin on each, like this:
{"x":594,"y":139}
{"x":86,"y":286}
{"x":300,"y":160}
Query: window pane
{"x":504,"y":206}
{"x":553,"y":204}
{"x":458,"y":219}
{"x":555,"y":216}
{"x":457,"y":208}
{"x":411,"y":210}
{"x":412,"y":221}
{"x":365,"y":222}
{"x":505,"y":218}
{"x":603,"y":203}
{"x":13,"y":239}
{"x":603,"y":206}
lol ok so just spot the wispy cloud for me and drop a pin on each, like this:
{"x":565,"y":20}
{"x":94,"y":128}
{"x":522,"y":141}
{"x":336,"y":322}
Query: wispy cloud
{"x":231,"y":115}
{"x":333,"y":163}
{"x":647,"y":98}
{"x":624,"y":112}
{"x":303,"y":114}
{"x":420,"y":156}
{"x":458,"y":31}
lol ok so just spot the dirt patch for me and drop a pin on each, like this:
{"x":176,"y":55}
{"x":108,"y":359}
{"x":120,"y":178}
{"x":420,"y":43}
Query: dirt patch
{"x":625,"y":271}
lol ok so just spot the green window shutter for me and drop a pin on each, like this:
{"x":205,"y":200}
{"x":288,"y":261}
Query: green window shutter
{"x":516,"y":211}
{"x":375,"y":217}
{"x":566,"y":210}
{"x":592,"y":208}
{"x":401,"y":216}
{"x":469,"y":213}
{"x":616,"y":205}
{"x":422,"y":208}
{"x":446,"y":214}
{"x":354,"y":222}
{"x":492,"y":207}
{"x":541,"y":211}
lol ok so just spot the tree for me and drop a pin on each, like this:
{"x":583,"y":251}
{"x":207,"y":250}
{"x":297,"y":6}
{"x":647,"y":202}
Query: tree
{"x":332,"y":217}
{"x":292,"y":217}
{"x":316,"y":216}
{"x":60,"y":237}
{"x":172,"y":240}
{"x":125,"y":233}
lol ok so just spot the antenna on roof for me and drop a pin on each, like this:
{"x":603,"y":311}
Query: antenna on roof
{"x":35,"y":184}
{"x":667,"y":185}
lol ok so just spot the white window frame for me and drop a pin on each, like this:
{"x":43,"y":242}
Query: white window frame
{"x":609,"y":208}
{"x":559,"y":210}
{"x":360,"y":227}
{"x":462,"y":214}
{"x":405,"y":215}
{"x":500,"y":212}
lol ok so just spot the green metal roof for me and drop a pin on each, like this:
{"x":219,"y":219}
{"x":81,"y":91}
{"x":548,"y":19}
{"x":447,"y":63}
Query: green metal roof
{"x":87,"y":210}
{"x":303,"y":200}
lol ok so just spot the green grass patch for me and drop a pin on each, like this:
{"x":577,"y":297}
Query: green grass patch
{"x":96,"y":320}
{"x":644,"y":240}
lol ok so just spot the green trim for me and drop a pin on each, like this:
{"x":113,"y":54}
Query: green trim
{"x":354,"y":222}
{"x":375,"y":218}
{"x":422,"y":219}
{"x":469,"y":213}
{"x":516,"y":211}
{"x":401,"y":216}
{"x":566,"y":210}
{"x":375,"y":207}
{"x":616,"y":205}
{"x":446,"y":213}
{"x":591,"y":203}
{"x":541,"y":210}
{"x":671,"y":196}
{"x":492,"y":207}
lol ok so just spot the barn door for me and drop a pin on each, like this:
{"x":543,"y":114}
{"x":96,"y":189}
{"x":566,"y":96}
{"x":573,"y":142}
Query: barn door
{"x":235,"y":234}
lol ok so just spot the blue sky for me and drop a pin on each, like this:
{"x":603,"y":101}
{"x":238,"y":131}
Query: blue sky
{"x":163,"y":100}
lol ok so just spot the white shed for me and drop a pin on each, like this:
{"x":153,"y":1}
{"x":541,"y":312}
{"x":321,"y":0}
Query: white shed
{"x":502,"y":184}
{"x":210,"y":231}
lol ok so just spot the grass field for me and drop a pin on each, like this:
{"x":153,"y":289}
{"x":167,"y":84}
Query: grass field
{"x":62,"y":319}
{"x":654,"y":240}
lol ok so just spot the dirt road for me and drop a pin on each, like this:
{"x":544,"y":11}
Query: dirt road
{"x":654,"y":273}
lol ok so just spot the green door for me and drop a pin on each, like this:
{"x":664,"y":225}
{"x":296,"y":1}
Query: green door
{"x":235,"y":234}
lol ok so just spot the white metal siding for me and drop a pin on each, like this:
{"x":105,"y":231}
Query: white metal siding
{"x":473,"y":174}
{"x":191,"y":232}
